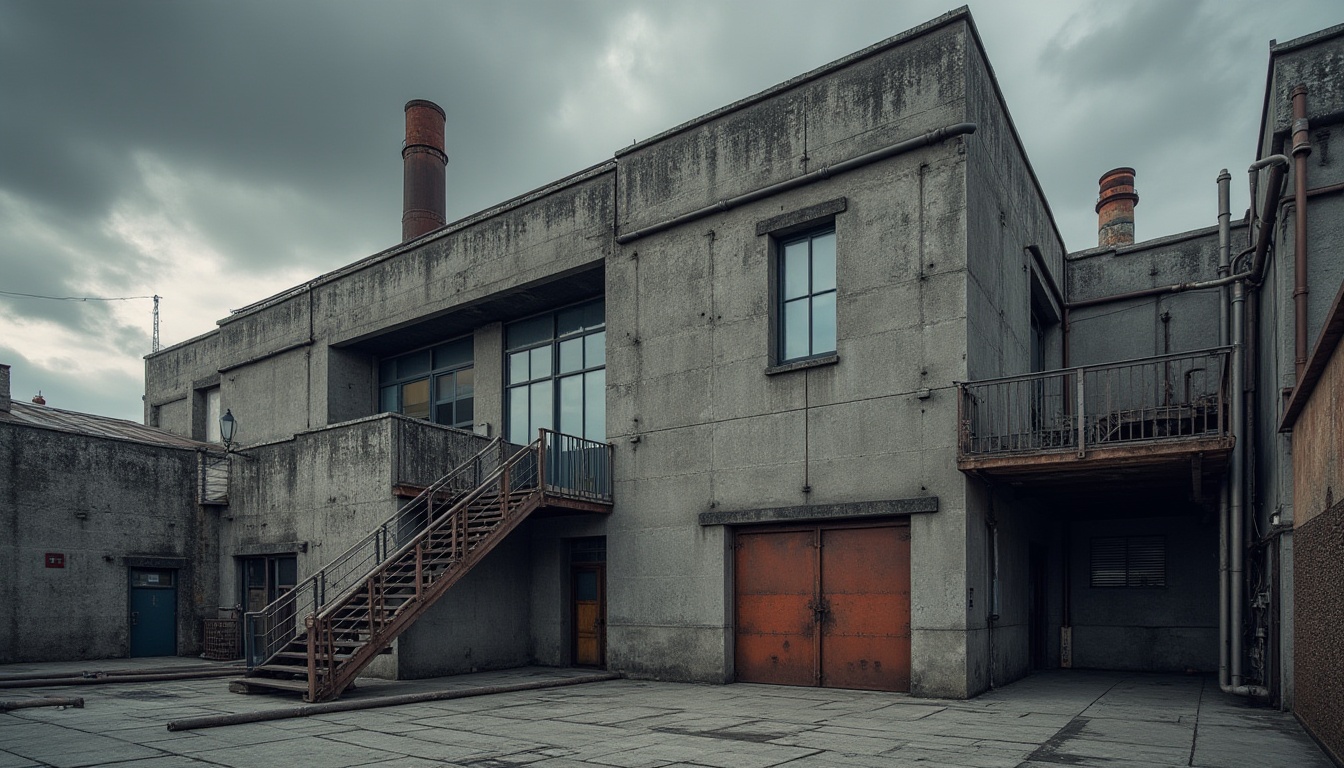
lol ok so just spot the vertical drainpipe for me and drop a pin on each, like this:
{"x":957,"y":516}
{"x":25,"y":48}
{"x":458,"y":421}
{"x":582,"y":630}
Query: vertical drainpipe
{"x":1224,"y":496}
{"x":1236,"y":483}
{"x":1301,"y":149}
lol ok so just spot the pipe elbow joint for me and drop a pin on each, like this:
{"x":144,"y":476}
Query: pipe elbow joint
{"x":1269,"y":160}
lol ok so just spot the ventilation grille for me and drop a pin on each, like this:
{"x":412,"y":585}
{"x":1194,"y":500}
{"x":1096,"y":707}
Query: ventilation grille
{"x":1129,"y":561}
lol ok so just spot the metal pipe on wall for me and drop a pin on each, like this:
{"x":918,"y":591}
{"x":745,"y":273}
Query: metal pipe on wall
{"x":1224,"y":495}
{"x":1301,"y":149}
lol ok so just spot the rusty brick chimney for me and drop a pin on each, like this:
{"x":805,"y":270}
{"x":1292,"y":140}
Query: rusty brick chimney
{"x":1115,"y":208}
{"x":423,"y":170}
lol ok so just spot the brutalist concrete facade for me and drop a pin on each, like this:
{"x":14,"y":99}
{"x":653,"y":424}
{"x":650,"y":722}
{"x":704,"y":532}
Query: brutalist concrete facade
{"x":931,"y":245}
{"x":948,"y":264}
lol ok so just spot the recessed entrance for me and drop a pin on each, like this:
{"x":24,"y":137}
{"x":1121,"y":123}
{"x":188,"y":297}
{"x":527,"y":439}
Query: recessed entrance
{"x":824,"y":606}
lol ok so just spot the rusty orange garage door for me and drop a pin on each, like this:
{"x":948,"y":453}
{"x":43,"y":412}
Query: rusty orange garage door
{"x":824,"y":605}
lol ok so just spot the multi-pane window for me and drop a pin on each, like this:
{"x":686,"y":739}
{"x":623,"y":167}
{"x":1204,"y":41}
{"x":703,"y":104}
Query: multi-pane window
{"x":1129,"y":561}
{"x":556,"y":373}
{"x":807,"y":295}
{"x":437,"y":384}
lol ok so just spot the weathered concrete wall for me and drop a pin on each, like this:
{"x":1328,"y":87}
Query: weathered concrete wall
{"x":306,"y":358}
{"x":481,"y":623}
{"x":1166,"y":629}
{"x":1006,"y":213}
{"x":97,"y":501}
{"x":319,"y":492}
{"x":1316,"y":61}
{"x":171,"y":378}
{"x":688,"y":378}
{"x":1155,"y":325}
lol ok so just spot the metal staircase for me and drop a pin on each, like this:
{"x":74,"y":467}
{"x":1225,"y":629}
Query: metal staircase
{"x":316,"y":638}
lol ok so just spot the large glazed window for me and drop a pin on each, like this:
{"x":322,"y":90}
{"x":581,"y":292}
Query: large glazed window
{"x":438,"y":384}
{"x":556,"y":373}
{"x":807,"y":295}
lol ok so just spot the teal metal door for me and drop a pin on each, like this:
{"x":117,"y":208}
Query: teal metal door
{"x":153,"y":616}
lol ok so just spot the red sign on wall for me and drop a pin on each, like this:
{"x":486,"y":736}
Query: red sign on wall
{"x":55,"y":560}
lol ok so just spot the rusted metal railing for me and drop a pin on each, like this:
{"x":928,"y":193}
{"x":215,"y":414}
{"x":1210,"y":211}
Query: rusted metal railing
{"x":406,"y":564}
{"x":576,"y":468}
{"x":1154,"y":399}
{"x":269,"y":630}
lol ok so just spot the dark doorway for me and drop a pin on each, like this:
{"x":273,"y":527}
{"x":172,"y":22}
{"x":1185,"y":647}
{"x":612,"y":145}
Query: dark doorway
{"x":266,"y":578}
{"x":153,"y":612}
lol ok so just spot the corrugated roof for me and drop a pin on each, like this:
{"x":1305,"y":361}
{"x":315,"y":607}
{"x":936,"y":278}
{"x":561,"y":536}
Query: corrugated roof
{"x":46,"y":417}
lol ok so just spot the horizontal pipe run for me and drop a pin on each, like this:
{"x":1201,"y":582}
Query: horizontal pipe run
{"x":109,"y":672}
{"x":52,"y":682}
{"x":216,"y":721}
{"x":46,"y":701}
{"x":825,"y":172}
{"x":1194,"y":285}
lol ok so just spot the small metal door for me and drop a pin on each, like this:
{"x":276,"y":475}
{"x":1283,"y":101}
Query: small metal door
{"x":153,"y":612}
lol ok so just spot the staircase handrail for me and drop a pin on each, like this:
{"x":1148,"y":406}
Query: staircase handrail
{"x":326,"y":591}
{"x":432,"y":526}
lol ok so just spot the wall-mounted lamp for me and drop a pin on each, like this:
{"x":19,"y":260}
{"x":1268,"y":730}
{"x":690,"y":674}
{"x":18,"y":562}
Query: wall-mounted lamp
{"x":228,"y":427}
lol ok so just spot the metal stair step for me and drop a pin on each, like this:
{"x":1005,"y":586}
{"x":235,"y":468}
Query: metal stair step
{"x":267,"y":685}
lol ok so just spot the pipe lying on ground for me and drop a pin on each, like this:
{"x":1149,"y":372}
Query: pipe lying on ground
{"x":46,"y":701}
{"x":216,"y":721}
{"x":115,"y":672}
{"x":46,"y":682}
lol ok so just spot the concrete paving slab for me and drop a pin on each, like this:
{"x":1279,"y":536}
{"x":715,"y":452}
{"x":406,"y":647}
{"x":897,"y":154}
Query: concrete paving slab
{"x":1081,"y":718}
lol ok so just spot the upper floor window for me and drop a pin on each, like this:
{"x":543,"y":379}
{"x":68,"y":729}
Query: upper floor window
{"x":807,"y":295}
{"x":212,"y":414}
{"x":556,"y":373}
{"x":438,"y":384}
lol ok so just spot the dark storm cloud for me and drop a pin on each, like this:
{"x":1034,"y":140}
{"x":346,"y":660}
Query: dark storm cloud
{"x":232,"y":142}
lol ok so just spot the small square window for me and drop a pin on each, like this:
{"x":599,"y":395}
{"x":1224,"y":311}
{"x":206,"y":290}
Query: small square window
{"x":806,"y":295}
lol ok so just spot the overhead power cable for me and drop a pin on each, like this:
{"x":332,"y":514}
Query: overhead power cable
{"x":155,"y":341}
{"x":75,"y":298}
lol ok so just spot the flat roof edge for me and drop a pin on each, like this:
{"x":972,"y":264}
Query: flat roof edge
{"x":901,"y":37}
{"x":578,"y":177}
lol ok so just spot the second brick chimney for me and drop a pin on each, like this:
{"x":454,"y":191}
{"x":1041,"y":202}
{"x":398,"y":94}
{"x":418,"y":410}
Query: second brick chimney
{"x":423,"y":170}
{"x":1115,"y":208}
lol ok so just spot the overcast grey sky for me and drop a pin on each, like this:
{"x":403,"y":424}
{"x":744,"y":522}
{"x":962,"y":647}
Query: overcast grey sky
{"x":217,"y":152}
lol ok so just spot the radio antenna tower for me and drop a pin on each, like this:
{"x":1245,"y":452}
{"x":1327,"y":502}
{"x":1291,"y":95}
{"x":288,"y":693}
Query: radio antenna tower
{"x":156,"y":298}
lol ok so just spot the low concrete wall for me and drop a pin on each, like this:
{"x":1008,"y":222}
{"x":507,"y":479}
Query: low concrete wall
{"x":95,"y":501}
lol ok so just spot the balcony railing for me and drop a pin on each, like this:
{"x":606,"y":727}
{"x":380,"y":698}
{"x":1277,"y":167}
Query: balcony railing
{"x":1136,"y":402}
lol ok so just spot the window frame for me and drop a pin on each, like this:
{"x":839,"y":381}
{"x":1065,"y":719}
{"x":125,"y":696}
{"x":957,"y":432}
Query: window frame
{"x":781,"y":231}
{"x":432,"y":376}
{"x":555,"y":376}
{"x":810,"y":296}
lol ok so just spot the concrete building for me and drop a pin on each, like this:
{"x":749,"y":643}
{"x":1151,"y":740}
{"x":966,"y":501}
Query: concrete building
{"x":841,"y":409}
{"x":104,"y":548}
